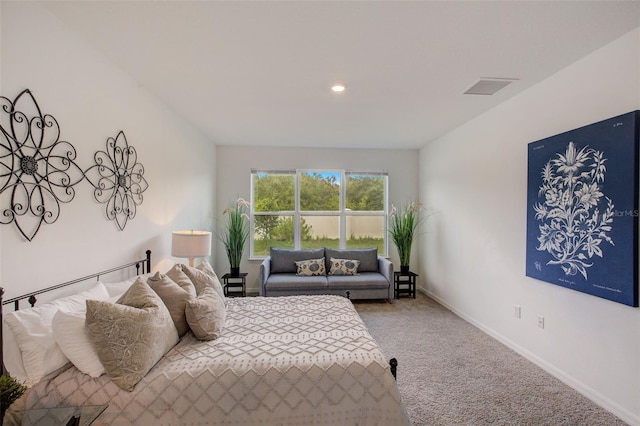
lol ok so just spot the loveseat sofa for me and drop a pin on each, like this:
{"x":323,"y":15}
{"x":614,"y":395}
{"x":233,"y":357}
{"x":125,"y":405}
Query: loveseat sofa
{"x":362,"y":273}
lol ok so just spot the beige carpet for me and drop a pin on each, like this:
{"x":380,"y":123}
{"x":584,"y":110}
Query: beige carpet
{"x":451,"y":373}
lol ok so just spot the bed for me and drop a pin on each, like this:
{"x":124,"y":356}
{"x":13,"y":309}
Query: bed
{"x":298,"y":360}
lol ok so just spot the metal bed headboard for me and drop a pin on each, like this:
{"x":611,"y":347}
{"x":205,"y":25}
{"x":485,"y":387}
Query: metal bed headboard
{"x":143,"y":265}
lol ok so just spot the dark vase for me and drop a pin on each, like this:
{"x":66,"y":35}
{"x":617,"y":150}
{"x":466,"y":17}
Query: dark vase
{"x":404,"y":269}
{"x":235,"y":272}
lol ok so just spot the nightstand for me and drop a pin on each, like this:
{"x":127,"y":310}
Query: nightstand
{"x":235,"y":285}
{"x":404,"y":283}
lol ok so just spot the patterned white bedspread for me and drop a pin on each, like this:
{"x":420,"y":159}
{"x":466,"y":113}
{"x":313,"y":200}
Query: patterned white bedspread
{"x":301,"y":360}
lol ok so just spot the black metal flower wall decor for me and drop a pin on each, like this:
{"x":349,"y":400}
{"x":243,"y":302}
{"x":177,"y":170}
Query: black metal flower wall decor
{"x":38,"y":171}
{"x":118,"y":179}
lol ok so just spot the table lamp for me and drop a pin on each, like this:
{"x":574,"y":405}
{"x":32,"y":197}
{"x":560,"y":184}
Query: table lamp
{"x":190,"y":244}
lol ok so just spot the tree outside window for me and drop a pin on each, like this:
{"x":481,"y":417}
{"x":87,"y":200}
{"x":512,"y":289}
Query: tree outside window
{"x":311,"y":209}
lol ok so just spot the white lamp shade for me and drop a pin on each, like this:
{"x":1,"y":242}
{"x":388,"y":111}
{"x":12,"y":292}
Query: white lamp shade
{"x":191,"y":244}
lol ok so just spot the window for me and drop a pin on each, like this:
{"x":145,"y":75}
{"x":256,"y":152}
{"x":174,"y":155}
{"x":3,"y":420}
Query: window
{"x":272,"y":211}
{"x":307,"y":209}
{"x":365,"y":200}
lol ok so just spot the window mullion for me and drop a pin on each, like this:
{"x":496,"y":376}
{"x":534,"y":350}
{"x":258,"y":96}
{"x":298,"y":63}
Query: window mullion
{"x":296,"y":215}
{"x":343,"y":207}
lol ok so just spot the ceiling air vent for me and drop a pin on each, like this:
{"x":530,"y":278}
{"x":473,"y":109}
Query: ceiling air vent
{"x":488,"y":86}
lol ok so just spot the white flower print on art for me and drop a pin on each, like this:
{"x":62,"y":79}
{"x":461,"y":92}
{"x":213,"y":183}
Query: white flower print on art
{"x":573,"y":226}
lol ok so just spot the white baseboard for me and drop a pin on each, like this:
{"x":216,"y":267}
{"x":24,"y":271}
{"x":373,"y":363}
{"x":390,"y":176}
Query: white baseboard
{"x":587,"y":391}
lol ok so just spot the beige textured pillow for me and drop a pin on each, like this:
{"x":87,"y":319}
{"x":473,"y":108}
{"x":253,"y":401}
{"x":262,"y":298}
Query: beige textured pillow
{"x":178,"y":276}
{"x":206,"y":314}
{"x":131,"y":335}
{"x":202,"y":276}
{"x":175,"y":298}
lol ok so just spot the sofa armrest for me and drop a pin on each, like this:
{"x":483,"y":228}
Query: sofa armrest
{"x":265,"y":271}
{"x":385,"y":267}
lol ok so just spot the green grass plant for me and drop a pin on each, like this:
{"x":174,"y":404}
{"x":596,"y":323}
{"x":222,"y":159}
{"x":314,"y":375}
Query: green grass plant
{"x":403,"y":227}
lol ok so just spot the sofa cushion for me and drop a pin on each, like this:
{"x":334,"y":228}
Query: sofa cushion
{"x":362,"y":281}
{"x":296,"y":282}
{"x":284,"y":260}
{"x":368,"y":258}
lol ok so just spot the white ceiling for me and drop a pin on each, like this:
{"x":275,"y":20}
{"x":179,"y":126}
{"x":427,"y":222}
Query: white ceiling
{"x":259,"y":73}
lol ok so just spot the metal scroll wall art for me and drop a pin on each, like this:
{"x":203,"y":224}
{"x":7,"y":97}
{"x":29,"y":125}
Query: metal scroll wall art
{"x":38,"y":171}
{"x":117,"y":179}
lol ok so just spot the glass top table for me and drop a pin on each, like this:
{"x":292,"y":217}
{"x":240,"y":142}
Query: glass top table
{"x":62,"y":416}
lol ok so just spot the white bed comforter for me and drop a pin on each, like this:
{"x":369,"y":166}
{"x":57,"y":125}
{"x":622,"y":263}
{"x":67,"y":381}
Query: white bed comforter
{"x":301,"y":360}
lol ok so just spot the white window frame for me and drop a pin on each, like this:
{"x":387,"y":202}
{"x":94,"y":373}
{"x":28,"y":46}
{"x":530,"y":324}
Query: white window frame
{"x":342,"y":211}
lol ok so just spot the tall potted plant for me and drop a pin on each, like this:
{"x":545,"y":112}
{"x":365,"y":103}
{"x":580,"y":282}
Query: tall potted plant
{"x":403,"y":227}
{"x":236,"y":233}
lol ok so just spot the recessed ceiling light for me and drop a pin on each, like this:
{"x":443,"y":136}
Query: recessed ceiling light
{"x":338,"y":87}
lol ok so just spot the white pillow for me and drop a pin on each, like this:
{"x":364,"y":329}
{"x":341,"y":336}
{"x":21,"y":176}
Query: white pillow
{"x":118,"y":288}
{"x":12,"y":355}
{"x":40,"y":353}
{"x":73,"y":340}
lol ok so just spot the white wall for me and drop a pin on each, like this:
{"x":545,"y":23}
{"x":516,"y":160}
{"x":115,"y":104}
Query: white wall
{"x":473,"y":256}
{"x":92,"y":101}
{"x":234,"y":166}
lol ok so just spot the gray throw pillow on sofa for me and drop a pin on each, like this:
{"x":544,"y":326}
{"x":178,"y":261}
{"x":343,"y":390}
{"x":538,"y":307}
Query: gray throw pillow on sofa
{"x":368,"y":258}
{"x":284,"y":260}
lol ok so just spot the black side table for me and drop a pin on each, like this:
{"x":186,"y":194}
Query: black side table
{"x":404,"y":283}
{"x":235,"y":285}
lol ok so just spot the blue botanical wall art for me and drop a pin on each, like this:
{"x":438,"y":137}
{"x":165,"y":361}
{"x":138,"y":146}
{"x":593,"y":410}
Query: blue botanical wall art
{"x":582,"y":209}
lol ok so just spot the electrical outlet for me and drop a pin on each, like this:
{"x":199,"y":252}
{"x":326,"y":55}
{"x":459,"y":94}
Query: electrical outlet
{"x":540,"y":321}
{"x":516,"y":311}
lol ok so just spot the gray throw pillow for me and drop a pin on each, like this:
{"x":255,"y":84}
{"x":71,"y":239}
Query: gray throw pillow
{"x":131,"y":335}
{"x":284,"y":260}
